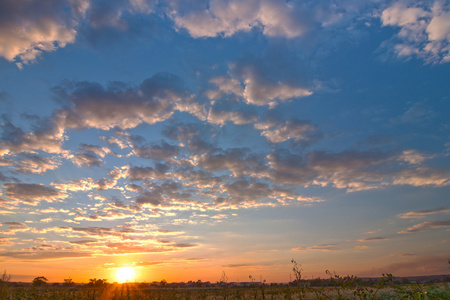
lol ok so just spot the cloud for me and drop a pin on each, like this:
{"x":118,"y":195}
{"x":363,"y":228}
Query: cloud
{"x":191,"y":135}
{"x":97,"y":150}
{"x":83,"y":185}
{"x":243,"y":190}
{"x":219,"y":17}
{"x":298,"y":130}
{"x":118,"y":105}
{"x":44,"y":255}
{"x":426,"y":226}
{"x":260,"y":89}
{"x":351,"y":170}
{"x":422,"y":213}
{"x":220,"y":116}
{"x":429,"y":265}
{"x":88,"y":159}
{"x":32,"y":193}
{"x":164,"y":151}
{"x":14,"y":227}
{"x":148,"y":173}
{"x":324,"y":247}
{"x":424,"y":29}
{"x":34,"y":164}
{"x":421,"y":176}
{"x":165,"y":192}
{"x":46,"y":136}
{"x":225,"y":86}
{"x":29,"y":28}
{"x":412,"y":157}
{"x":378,"y":238}
{"x":239,"y":161}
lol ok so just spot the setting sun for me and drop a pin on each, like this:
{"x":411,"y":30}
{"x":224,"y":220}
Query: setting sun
{"x":125,"y":274}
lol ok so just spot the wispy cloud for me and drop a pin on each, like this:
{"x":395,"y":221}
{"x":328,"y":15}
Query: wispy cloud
{"x":324,"y":247}
{"x":427,"y":225}
{"x":422,"y":213}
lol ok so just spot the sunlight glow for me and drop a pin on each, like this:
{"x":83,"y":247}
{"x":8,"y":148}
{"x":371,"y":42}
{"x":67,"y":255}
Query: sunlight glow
{"x":125,"y":274}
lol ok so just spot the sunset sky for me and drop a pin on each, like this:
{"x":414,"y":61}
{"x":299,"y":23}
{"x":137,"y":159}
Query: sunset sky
{"x":184,"y":139}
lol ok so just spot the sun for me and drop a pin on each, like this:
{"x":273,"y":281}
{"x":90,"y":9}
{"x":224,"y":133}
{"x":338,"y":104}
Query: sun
{"x":125,"y":274}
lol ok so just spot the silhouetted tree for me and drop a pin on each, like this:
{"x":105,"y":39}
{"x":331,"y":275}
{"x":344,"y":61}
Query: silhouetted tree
{"x":40,"y":281}
{"x":163,"y":283}
{"x":4,"y":285}
{"x":97,"y":282}
{"x":68,"y":282}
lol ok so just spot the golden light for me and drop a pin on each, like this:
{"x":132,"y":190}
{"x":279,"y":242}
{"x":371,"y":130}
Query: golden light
{"x":125,"y":274}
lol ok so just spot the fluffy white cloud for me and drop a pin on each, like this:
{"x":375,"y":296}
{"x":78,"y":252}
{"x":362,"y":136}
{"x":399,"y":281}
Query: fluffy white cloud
{"x":256,"y":83}
{"x":424,"y":29}
{"x":278,"y":132}
{"x":219,"y":17}
{"x":27,"y":28}
{"x":260,"y":89}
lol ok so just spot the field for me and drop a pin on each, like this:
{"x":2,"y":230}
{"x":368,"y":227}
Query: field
{"x":135,"y":291}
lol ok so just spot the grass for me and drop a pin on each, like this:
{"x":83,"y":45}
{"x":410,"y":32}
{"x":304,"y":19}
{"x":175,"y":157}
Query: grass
{"x":131,"y":292}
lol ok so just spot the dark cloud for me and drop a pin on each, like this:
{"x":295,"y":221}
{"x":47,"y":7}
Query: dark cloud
{"x":184,"y":245}
{"x":118,"y":105}
{"x":94,"y":231}
{"x":87,"y":159}
{"x":324,"y":247}
{"x":44,"y":254}
{"x":154,"y":198}
{"x":162,"y":193}
{"x":378,"y":238}
{"x":34,"y":164}
{"x":148,"y":173}
{"x":239,"y":161}
{"x":83,"y":242}
{"x":13,"y":227}
{"x":46,"y":136}
{"x":242,"y":190}
{"x":164,"y":151}
{"x":31,"y":192}
{"x":427,"y":264}
{"x":222,"y":112}
{"x":191,"y":136}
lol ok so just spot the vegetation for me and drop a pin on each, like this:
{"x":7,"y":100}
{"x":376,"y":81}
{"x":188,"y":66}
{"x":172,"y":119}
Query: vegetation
{"x":334,"y":287}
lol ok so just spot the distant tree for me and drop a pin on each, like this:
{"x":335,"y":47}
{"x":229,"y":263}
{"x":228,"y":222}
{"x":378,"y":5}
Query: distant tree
{"x":5,"y":277}
{"x":97,"y":282}
{"x":4,"y":285}
{"x":163,"y":283}
{"x":68,"y":282}
{"x":40,"y":281}
{"x":297,"y":270}
{"x":198,"y":283}
{"x":224,"y":277}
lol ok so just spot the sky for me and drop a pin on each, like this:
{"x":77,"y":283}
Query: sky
{"x":187,"y":139}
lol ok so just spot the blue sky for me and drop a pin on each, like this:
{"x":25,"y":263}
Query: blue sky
{"x":190,"y":138}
